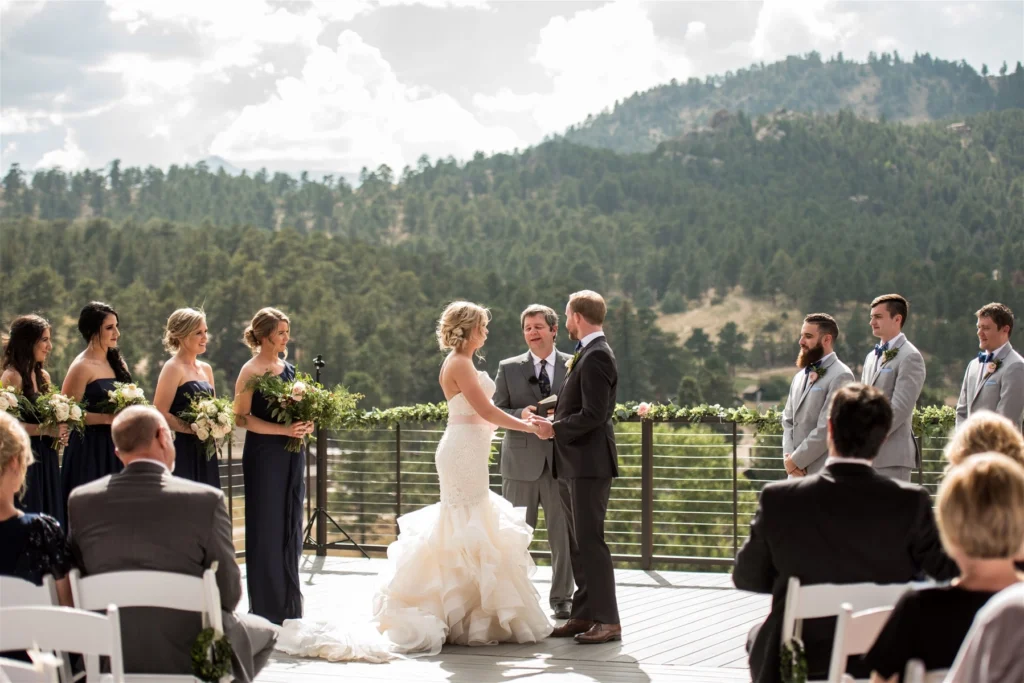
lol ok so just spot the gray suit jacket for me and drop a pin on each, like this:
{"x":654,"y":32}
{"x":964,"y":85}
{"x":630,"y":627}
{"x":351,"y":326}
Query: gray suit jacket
{"x":1001,"y":392}
{"x":523,"y":455}
{"x":145,"y":518}
{"x":805,"y":417}
{"x":901,"y":380}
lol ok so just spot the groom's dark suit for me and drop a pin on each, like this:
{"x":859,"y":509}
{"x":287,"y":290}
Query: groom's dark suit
{"x":585,"y":463}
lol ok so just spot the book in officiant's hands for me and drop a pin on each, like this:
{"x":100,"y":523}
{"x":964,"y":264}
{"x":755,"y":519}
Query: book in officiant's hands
{"x":546,"y":406}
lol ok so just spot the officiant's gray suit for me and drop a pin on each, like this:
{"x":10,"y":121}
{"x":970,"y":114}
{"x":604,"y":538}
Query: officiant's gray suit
{"x":805,"y":417}
{"x":526,"y":467}
{"x":901,"y":379}
{"x":1001,"y":391}
{"x":145,"y":518}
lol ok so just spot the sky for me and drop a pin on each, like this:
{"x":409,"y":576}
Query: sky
{"x":338,"y":85}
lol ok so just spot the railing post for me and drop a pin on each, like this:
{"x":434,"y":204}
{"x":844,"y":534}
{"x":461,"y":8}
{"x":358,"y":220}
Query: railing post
{"x":321,"y":492}
{"x":646,"y":494}
{"x":398,"y":474}
{"x":735,"y":492}
{"x":231,"y":486}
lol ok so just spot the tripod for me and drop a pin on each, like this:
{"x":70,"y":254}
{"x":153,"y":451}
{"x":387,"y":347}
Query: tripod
{"x":319,"y":514}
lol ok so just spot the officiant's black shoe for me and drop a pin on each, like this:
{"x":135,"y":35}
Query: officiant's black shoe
{"x":572,"y":627}
{"x":562,"y":610}
{"x":600,"y":633}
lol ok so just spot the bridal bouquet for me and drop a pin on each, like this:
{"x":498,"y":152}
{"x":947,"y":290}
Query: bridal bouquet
{"x":55,"y":409}
{"x":12,"y":401}
{"x":125,"y":394}
{"x":303,"y":400}
{"x":211,"y":420}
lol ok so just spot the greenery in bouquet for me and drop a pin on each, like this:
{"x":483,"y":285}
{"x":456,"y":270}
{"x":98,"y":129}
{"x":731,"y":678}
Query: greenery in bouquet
{"x":211,"y":420}
{"x":303,"y":400}
{"x":13,"y":402}
{"x":123,"y":395}
{"x":55,"y":409}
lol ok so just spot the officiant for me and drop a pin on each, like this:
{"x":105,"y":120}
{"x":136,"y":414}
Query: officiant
{"x":526,"y":384}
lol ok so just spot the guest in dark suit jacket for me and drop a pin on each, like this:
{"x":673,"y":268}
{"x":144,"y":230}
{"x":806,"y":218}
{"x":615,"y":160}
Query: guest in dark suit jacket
{"x":585,"y":463}
{"x":847,"y":524}
{"x":144,"y":518}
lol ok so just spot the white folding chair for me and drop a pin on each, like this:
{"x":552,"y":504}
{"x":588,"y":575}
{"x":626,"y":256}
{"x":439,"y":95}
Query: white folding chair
{"x":855,"y":634}
{"x":152,"y":589}
{"x":42,"y":670}
{"x":20,"y":593}
{"x":64,"y":629}
{"x":826,"y":600}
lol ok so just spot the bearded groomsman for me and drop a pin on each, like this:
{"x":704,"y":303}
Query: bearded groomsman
{"x":805,"y":418}
{"x":526,"y":467}
{"x":996,"y":380}
{"x":896,"y":367}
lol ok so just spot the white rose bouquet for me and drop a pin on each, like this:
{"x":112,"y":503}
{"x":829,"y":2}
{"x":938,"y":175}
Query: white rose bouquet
{"x":125,"y":394}
{"x":303,"y":400}
{"x":12,"y":401}
{"x":55,"y":409}
{"x":211,"y":420}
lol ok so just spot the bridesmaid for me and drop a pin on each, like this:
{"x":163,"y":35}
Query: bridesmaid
{"x":28,"y":345}
{"x":91,"y":375}
{"x":273,"y":477}
{"x":182,"y":378}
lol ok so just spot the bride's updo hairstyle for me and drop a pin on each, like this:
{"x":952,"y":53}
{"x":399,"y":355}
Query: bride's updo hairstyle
{"x":458,"y":322}
{"x":263,"y":324}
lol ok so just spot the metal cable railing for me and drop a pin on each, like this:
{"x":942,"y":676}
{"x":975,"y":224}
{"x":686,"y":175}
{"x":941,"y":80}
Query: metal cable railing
{"x":685,"y":495}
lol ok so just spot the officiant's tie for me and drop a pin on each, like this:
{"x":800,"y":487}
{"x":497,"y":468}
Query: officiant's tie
{"x":543,"y":381}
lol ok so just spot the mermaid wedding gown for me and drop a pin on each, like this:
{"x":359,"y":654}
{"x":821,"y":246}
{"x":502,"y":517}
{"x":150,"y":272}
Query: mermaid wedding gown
{"x":459,"y":571}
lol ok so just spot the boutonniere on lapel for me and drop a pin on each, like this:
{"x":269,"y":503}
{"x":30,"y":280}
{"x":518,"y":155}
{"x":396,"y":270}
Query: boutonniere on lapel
{"x":571,"y":362}
{"x":888,"y":355}
{"x":816,"y":373}
{"x":991,"y":367}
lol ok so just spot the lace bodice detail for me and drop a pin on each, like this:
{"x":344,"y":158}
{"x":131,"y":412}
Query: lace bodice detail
{"x":463,"y":452}
{"x":458,"y":405}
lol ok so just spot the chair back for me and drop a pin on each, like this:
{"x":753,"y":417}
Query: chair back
{"x":15,"y":592}
{"x":65,"y":629}
{"x":151,"y":589}
{"x":856,"y":632}
{"x":826,"y":600}
{"x":44,"y":668}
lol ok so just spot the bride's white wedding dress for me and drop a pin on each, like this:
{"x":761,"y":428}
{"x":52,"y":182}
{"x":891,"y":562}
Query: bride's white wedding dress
{"x":459,"y":571}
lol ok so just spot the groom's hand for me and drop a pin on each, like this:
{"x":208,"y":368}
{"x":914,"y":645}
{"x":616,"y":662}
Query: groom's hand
{"x":545,"y":430}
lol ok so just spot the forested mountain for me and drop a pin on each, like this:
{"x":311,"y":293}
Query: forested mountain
{"x":822,"y":213}
{"x":884,"y":87}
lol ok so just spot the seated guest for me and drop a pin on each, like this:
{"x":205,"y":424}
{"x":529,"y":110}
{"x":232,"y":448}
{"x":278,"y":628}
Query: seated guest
{"x":991,"y":653}
{"x":985,"y":432}
{"x":846,"y":524}
{"x":144,"y":518}
{"x":31,"y":545}
{"x":980,"y":511}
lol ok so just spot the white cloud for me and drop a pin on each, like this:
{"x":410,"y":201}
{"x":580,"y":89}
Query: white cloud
{"x":15,"y":121}
{"x":593,"y":58}
{"x":70,"y":157}
{"x":349,"y":109}
{"x":786,"y":27}
{"x":696,"y":29}
{"x":961,"y":13}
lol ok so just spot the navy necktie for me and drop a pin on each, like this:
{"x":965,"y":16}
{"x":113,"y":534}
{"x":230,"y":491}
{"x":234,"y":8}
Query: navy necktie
{"x":880,"y":349}
{"x":579,"y":347}
{"x":986,"y":357}
{"x":543,"y":382}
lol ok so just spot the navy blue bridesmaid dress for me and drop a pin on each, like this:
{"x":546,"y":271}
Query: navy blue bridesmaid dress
{"x":190,"y":461}
{"x":42,"y":481}
{"x":274,"y":492}
{"x":90,"y":456}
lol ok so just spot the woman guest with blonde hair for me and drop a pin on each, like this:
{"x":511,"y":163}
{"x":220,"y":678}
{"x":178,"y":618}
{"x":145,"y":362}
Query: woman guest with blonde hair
{"x":33,"y":543}
{"x":183,"y":378}
{"x":273,"y":477}
{"x":984,"y":432}
{"x":91,"y":375}
{"x":980,"y":514}
{"x":27,"y":347}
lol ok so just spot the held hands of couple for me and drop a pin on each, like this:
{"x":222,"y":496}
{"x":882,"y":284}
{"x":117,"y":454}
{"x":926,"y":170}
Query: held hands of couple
{"x":542,"y":426}
{"x":791,"y":468}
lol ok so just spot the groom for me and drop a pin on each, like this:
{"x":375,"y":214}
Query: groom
{"x":585,"y":463}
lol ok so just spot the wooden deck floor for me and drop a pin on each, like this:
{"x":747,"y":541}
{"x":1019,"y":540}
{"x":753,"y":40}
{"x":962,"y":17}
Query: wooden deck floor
{"x":678,"y":627}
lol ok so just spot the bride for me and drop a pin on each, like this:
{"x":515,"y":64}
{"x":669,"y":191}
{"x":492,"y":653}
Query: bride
{"x":460,"y":569}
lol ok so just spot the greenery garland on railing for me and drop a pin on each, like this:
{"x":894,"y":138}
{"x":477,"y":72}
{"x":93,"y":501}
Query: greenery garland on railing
{"x":928,"y":421}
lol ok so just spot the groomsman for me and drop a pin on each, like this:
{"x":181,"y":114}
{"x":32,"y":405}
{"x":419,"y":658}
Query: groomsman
{"x":526,"y":466}
{"x":996,"y":380}
{"x":896,"y":367}
{"x":805,"y":418}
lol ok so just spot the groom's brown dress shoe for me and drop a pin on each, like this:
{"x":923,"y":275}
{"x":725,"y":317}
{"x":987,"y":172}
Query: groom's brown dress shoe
{"x":573,"y":627}
{"x":600,"y":633}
